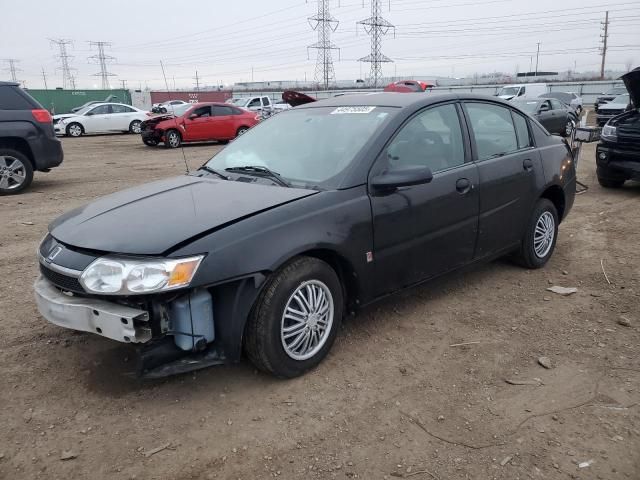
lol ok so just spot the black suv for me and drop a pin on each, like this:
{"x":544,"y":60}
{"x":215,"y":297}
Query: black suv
{"x":618,"y":153}
{"x":27,"y":140}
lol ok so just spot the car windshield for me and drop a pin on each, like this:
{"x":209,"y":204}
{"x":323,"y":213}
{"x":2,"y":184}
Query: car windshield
{"x":529,"y":107}
{"x":308,"y":148}
{"x":178,"y":110}
{"x":624,"y":99}
{"x":240,"y":102}
{"x":509,"y":91}
{"x":563,"y":97}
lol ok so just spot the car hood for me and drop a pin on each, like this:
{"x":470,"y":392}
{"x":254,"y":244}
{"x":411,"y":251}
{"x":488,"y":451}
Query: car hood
{"x":613,"y":106}
{"x":64,"y":115}
{"x":151,"y":219}
{"x":632,"y":82}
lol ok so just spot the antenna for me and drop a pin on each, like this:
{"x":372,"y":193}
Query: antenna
{"x":324,"y":23}
{"x":101,"y":59}
{"x":173,"y":111}
{"x":377,"y":27}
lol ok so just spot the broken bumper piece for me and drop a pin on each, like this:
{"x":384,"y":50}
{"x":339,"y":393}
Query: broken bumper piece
{"x":111,"y":320}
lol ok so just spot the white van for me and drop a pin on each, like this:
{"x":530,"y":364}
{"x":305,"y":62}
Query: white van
{"x":523,"y":91}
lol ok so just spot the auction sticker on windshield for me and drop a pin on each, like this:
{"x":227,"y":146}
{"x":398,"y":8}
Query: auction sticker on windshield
{"x":341,"y":110}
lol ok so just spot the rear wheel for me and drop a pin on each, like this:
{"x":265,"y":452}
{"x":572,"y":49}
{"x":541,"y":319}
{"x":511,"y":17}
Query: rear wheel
{"x":609,"y":179}
{"x":134,"y":127}
{"x":172,"y":139}
{"x":295,"y":320}
{"x":242,"y":131}
{"x":74,"y":129}
{"x":16,"y":171}
{"x":539,"y":240}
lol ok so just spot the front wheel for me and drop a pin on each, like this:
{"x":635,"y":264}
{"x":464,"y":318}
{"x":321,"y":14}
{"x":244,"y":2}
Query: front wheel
{"x":568,"y":128}
{"x":16,"y":171}
{"x":172,"y":139}
{"x":74,"y":130}
{"x":134,"y":127}
{"x":539,"y":240}
{"x":608,"y":179}
{"x":295,"y":320}
{"x":150,"y":142}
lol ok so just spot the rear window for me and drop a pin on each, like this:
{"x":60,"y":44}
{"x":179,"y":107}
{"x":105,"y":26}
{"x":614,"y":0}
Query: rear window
{"x":12,"y":98}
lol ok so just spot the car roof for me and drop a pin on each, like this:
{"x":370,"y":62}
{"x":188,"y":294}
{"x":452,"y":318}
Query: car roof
{"x":398,"y":100}
{"x":204,"y":104}
{"x":9,"y":84}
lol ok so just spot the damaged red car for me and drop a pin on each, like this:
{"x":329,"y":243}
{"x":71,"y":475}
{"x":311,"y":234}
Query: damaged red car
{"x":199,"y":122}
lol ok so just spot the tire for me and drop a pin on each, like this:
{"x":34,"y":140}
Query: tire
{"x":74,"y":130}
{"x":150,"y":142}
{"x":607,"y":179}
{"x":241,"y":131}
{"x":568,"y":128}
{"x":265,"y":342}
{"x":134,"y":127}
{"x":172,"y":139}
{"x":163,"y":110}
{"x":16,"y":171}
{"x":535,"y":251}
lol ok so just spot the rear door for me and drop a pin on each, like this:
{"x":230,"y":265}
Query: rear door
{"x":423,"y":230}
{"x":122,"y":117}
{"x":223,"y":124}
{"x":507,"y":165}
{"x":197,"y":124}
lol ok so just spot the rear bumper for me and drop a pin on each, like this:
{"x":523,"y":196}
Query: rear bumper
{"x":111,"y":320}
{"x":47,"y":152}
{"x":624,"y":162}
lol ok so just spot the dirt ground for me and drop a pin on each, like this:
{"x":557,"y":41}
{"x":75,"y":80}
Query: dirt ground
{"x":394,"y":398}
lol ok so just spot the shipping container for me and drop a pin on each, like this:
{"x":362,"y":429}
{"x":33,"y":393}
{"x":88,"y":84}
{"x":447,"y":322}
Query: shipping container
{"x":191,"y":97}
{"x":62,"y":101}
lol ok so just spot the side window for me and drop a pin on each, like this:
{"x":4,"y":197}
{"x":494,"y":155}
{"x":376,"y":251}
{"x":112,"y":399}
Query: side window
{"x":121,"y":109}
{"x":12,"y":99}
{"x":220,"y":111}
{"x":254,"y":103}
{"x":101,"y":110}
{"x":202,"y":112}
{"x":555,"y":104}
{"x":522,"y":91}
{"x":431,"y":139}
{"x":524,"y":139}
{"x":266,"y":102}
{"x":493,"y":129}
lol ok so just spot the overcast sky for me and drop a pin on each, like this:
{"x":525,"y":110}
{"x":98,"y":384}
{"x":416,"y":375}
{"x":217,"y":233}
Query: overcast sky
{"x":224,"y":41}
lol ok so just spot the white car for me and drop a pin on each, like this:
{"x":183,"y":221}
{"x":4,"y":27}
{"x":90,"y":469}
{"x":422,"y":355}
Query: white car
{"x":100,"y":118}
{"x":166,"y":107}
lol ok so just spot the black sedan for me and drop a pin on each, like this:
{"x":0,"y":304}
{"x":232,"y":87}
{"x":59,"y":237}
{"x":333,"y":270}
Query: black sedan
{"x":556,"y":117}
{"x":312,"y":214}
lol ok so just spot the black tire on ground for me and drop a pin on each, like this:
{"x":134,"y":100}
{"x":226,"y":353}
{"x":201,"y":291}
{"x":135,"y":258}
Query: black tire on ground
{"x":263,"y":342}
{"x":609,"y":179}
{"x":544,"y":213}
{"x":150,"y":142}
{"x":74,"y":130}
{"x":16,"y":171}
{"x":241,"y":131}
{"x":172,"y":139}
{"x":163,"y":110}
{"x":134,"y":127}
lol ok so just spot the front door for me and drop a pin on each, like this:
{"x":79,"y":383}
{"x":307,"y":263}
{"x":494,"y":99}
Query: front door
{"x":97,"y":119}
{"x":197,"y":124}
{"x":423,"y":230}
{"x":507,"y":166}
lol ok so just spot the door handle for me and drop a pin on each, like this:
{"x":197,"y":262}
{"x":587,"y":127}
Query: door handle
{"x":527,"y":164}
{"x":463,"y":186}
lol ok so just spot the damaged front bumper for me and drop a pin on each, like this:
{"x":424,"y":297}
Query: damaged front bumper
{"x":111,"y":320}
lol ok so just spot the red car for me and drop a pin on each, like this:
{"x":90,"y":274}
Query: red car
{"x":197,"y":123}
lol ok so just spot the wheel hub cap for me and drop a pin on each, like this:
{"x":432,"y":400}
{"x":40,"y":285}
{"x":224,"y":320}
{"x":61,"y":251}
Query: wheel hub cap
{"x":307,"y":320}
{"x":12,"y":173}
{"x":544,"y":234}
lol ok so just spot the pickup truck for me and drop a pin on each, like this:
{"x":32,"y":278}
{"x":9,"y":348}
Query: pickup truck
{"x":258,"y":104}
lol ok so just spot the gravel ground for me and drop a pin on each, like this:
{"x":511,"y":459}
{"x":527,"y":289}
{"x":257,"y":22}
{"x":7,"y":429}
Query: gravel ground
{"x":393,"y":399}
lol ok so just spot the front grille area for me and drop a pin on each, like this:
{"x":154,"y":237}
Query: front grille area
{"x":65,"y":282}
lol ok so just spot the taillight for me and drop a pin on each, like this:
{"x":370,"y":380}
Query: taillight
{"x":41,"y":115}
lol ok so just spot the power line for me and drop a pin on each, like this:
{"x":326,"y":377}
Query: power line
{"x":101,"y":59}
{"x":12,"y":69}
{"x":68,"y":81}
{"x":604,"y":37}
{"x":325,"y":24}
{"x":376,"y":27}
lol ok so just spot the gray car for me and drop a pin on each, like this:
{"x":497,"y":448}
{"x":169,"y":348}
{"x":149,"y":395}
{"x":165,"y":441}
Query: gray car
{"x":568,"y":98}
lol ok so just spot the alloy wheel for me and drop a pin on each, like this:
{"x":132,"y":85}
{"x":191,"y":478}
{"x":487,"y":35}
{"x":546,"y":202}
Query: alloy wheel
{"x":174,"y":139}
{"x":75,"y":130}
{"x":307,"y":320}
{"x":135,"y":127}
{"x":13,"y":173}
{"x":544,"y":234}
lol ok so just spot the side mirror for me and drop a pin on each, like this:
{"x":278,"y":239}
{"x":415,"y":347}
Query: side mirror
{"x":88,"y":114}
{"x":402,"y":178}
{"x":543,"y":108}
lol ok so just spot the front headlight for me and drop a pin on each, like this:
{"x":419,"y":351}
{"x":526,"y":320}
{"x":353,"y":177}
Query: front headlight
{"x":609,"y":133}
{"x":130,"y":276}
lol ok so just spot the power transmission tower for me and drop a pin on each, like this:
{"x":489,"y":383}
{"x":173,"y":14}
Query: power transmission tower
{"x":64,"y":58}
{"x":101,"y":59}
{"x":12,"y":69}
{"x":44,"y":79}
{"x":197,"y":79}
{"x":123,"y":83}
{"x":604,"y":37}
{"x":324,"y":24}
{"x":537,"y":57}
{"x":376,"y":27}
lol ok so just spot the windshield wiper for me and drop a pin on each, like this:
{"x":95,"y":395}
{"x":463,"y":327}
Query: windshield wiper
{"x":260,"y":171}
{"x":215,"y":172}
